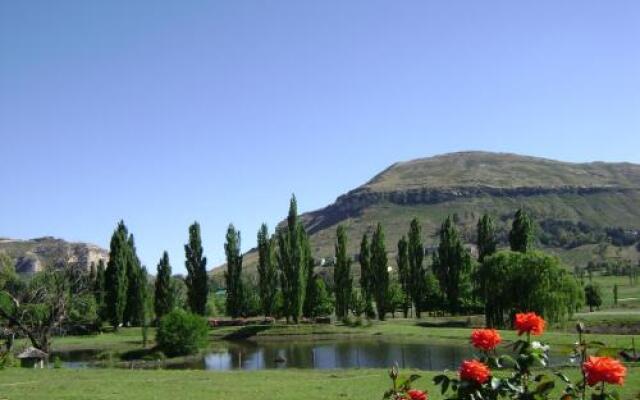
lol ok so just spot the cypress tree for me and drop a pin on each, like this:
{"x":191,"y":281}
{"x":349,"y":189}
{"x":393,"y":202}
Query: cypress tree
{"x":452,"y":267}
{"x":404,"y":274}
{"x":487,"y":241}
{"x":380,"y":273}
{"x":416,"y":266}
{"x":116,"y":276}
{"x":163,"y":299}
{"x":342,"y":274}
{"x":293,"y":277}
{"x":366,"y":281}
{"x":267,"y":271}
{"x":196,"y":263}
{"x":615,"y":294}
{"x":522,"y":235}
{"x":233,"y":276}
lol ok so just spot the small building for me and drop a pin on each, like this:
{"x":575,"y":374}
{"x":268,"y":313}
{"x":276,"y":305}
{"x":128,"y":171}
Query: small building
{"x":32,"y":358}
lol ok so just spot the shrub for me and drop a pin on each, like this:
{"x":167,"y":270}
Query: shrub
{"x":181,"y":333}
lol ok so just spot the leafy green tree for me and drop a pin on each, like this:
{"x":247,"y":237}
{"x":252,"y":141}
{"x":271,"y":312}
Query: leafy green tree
{"x":164,"y":300}
{"x":487,"y":241}
{"x":292,"y":265}
{"x":431,"y":295}
{"x":532,"y":281}
{"x":366,"y":276}
{"x":342,"y":274}
{"x":233,"y":276}
{"x":404,"y":275}
{"x":267,"y":271}
{"x":196,"y":263}
{"x":358,"y":305}
{"x":380,"y":273}
{"x":116,"y":275}
{"x":37,"y":307}
{"x":593,"y":296}
{"x":522,"y":235}
{"x":324,"y":304}
{"x":452,"y":267}
{"x":396,"y":298}
{"x":416,"y":266}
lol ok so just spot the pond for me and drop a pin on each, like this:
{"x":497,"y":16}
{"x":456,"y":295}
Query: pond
{"x":322,"y":354}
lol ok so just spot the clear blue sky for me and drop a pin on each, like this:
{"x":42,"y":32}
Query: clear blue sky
{"x":166,"y":112}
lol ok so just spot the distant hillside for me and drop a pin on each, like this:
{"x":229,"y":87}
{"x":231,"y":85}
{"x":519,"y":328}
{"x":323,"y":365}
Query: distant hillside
{"x":577,"y":205}
{"x":34,"y":255}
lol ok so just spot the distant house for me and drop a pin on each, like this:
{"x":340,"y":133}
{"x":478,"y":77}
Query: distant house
{"x":32,"y":358}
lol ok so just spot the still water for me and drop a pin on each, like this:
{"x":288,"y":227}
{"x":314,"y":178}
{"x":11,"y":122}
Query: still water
{"x":323,"y":354}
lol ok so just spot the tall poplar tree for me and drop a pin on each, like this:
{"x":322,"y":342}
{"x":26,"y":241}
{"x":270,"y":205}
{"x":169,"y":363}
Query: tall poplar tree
{"x":452,"y":266}
{"x":342,"y":274}
{"x":136,"y":287}
{"x":380,"y":273}
{"x":487,"y":241}
{"x":366,"y":280}
{"x":99,"y":289}
{"x":404,"y":275}
{"x":416,"y":266}
{"x":267,"y":272}
{"x":522,"y":235}
{"x":233,"y":276}
{"x":310,"y":290}
{"x":293,"y":276}
{"x":116,"y":276}
{"x":196,"y":264}
{"x":163,"y":299}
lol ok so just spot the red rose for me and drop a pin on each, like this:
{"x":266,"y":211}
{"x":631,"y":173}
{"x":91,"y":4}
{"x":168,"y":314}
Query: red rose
{"x":530,"y":323}
{"x":474,"y":370}
{"x":604,"y":369}
{"x":485,"y":339}
{"x":415,"y":394}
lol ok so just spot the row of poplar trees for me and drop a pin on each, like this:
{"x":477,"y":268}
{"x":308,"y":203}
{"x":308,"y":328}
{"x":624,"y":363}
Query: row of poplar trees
{"x":285,"y":267}
{"x":122,"y":291}
{"x":286,"y":276}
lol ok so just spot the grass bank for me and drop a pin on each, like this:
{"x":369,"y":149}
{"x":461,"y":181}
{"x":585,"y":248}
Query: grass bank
{"x":107,"y":384}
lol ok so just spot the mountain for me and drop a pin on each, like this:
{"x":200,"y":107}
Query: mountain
{"x":585,"y":211}
{"x":35,"y":254}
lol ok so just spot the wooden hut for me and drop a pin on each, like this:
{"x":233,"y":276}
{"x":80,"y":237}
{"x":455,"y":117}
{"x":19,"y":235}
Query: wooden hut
{"x":32,"y":358}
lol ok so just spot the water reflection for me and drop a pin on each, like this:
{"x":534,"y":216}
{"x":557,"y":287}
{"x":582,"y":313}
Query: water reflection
{"x":250,"y":355}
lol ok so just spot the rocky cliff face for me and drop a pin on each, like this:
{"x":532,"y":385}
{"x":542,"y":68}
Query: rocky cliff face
{"x":34,"y":255}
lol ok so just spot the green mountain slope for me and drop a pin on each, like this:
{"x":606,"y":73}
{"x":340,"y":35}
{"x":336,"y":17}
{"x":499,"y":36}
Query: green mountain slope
{"x":575,"y":204}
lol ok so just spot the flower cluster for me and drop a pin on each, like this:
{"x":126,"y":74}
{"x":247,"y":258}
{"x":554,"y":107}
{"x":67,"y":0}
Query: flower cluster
{"x":530,"y":323}
{"x":604,"y":370}
{"x":485,"y":339}
{"x":476,"y":381}
{"x":474,"y":371}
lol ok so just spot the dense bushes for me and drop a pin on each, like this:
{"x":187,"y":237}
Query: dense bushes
{"x":181,"y":333}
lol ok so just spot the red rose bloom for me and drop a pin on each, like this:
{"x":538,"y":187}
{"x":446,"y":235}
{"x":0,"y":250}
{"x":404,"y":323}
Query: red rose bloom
{"x":474,"y":370}
{"x":604,"y":369}
{"x":485,"y":339}
{"x":530,"y":323}
{"x":415,"y":394}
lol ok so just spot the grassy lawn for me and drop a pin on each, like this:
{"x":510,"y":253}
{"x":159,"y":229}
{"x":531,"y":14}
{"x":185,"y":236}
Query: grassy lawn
{"x":406,"y":330}
{"x":26,"y":384}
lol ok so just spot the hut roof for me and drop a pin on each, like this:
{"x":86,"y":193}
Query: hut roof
{"x":32,"y":352}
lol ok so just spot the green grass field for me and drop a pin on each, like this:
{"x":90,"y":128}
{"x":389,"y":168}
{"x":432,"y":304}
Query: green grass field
{"x":107,"y":384}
